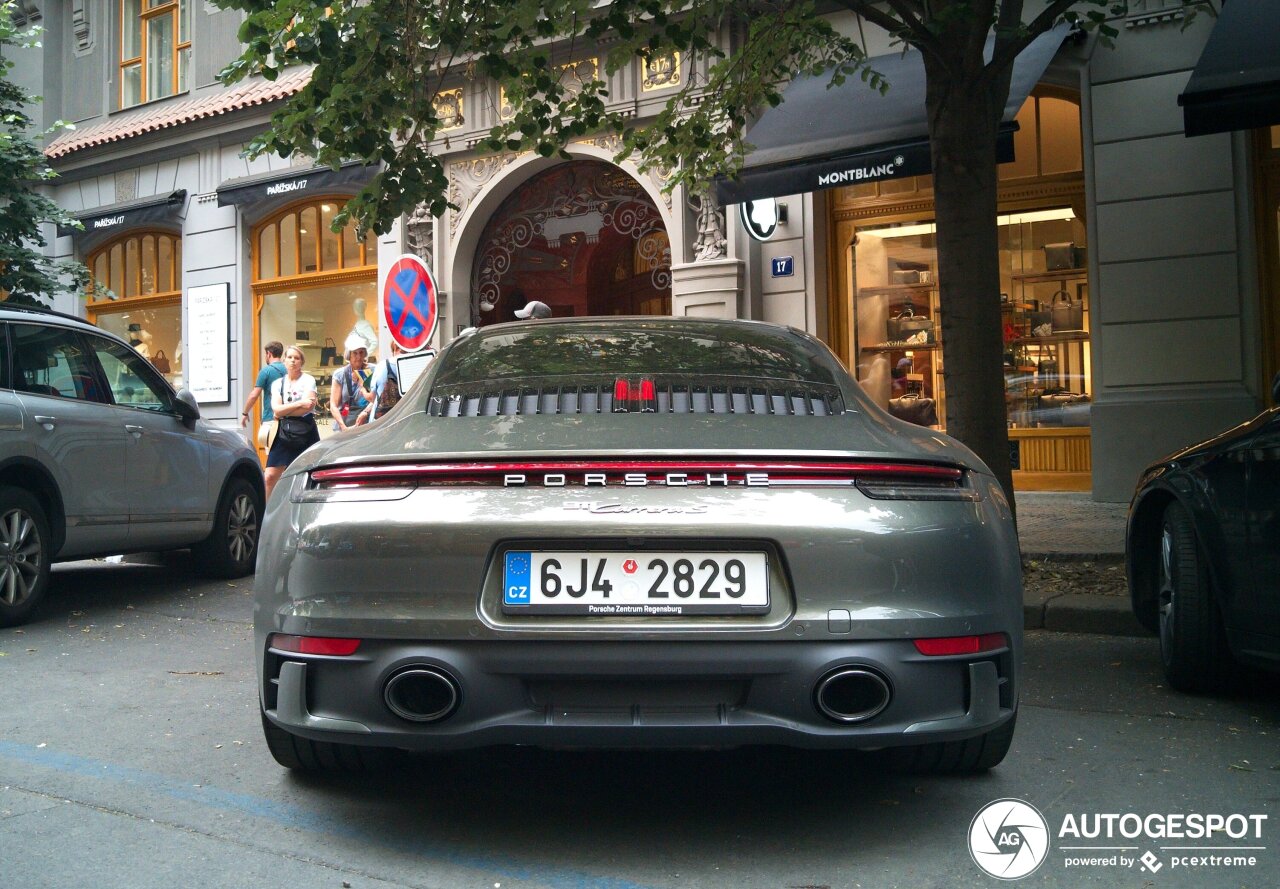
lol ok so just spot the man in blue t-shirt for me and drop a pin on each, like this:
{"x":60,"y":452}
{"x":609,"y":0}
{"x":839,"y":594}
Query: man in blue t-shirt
{"x":273,"y":371}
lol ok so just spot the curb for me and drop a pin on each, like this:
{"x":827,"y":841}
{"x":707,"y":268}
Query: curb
{"x":1081,"y":613}
{"x":1106,"y":558}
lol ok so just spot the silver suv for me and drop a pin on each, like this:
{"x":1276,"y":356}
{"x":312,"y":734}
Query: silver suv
{"x":99,"y":455}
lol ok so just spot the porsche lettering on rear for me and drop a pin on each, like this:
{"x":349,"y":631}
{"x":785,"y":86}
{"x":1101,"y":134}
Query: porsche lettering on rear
{"x":633,"y":479}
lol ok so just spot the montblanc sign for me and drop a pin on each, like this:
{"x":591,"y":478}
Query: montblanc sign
{"x":862,"y":174}
{"x":910,"y":157}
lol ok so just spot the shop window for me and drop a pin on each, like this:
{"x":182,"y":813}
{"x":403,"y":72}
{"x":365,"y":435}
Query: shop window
{"x":319,"y":320}
{"x":155,"y":49}
{"x":314,"y":287}
{"x":301,"y":242}
{"x":135,"y":292}
{"x":1047,"y":141}
{"x":1044,"y":303}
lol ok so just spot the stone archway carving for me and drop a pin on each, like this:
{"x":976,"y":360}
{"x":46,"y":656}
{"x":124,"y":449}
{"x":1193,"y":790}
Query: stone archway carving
{"x":585,"y":199}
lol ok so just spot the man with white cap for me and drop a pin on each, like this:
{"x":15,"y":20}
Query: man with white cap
{"x":533,"y":311}
{"x":350,"y":403}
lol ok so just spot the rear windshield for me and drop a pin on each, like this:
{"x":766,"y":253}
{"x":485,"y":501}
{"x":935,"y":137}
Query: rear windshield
{"x":636,"y":349}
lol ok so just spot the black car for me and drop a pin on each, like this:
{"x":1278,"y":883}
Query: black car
{"x":1203,"y":553}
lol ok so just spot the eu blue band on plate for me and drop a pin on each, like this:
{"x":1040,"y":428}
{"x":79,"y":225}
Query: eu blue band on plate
{"x":515,"y":579}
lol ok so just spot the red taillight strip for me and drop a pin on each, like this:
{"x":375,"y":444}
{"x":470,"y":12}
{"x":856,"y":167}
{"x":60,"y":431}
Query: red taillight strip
{"x":953,"y":645}
{"x":329,"y":645}
{"x":391,"y":473}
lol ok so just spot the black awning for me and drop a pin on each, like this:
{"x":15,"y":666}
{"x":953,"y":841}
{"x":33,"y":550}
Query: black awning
{"x":1236,"y":83}
{"x":291,"y":183}
{"x":117,"y":217}
{"x":822,"y":138}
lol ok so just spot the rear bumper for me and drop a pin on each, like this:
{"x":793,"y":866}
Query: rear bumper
{"x":638,"y":694}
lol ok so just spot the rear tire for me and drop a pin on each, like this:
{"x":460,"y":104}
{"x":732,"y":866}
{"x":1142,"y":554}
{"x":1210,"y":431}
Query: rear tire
{"x":305,"y":755}
{"x":1193,"y":641}
{"x":966,"y":757}
{"x":231,"y":549}
{"x":24,"y":555}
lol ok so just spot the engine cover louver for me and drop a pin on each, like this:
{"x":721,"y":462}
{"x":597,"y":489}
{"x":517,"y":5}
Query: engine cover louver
{"x":801,"y":400}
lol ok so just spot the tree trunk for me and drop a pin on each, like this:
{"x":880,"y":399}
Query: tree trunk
{"x":964,"y":114}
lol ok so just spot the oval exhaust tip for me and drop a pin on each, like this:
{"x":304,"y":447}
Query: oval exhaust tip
{"x":852,"y":694}
{"x":422,"y":694}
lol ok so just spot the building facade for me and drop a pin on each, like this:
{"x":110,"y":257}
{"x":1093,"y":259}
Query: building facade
{"x":1139,"y":265}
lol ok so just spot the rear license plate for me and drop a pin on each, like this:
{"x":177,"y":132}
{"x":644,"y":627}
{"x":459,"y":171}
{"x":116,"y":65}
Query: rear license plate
{"x":629,"y":583}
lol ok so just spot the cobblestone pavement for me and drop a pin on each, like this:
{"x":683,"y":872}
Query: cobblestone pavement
{"x":1069,"y":524}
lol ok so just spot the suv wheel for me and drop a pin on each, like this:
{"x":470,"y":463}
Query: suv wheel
{"x":24,"y":549}
{"x":231,"y":548}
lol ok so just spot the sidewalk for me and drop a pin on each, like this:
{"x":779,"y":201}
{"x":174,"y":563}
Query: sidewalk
{"x":1073,"y":533}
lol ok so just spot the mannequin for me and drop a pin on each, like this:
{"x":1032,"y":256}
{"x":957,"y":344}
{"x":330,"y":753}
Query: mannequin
{"x":142,"y":343}
{"x":363,"y":328}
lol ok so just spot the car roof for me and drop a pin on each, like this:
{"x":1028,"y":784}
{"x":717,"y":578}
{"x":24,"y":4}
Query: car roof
{"x":24,"y":313}
{"x":720,"y":324}
{"x":38,"y":315}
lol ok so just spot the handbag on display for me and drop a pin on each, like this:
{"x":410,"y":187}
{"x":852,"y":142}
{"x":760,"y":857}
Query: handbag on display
{"x":1060,"y":257}
{"x":160,"y":361}
{"x":1068,"y":314}
{"x":908,"y":324}
{"x":1054,"y":407}
{"x":915,"y":409}
{"x":329,"y":352}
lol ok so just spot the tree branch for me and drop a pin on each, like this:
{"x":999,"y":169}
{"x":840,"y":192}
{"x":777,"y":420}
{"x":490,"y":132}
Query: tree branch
{"x":1006,"y":52}
{"x":909,"y":28}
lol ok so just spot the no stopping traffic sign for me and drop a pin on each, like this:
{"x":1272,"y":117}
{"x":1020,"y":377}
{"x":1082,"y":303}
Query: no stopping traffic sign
{"x":410,"y":302}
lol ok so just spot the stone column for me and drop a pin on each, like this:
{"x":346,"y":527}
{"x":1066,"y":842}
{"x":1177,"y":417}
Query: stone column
{"x":711,"y":286}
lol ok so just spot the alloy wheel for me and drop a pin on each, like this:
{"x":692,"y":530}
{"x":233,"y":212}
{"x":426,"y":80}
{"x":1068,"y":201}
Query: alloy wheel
{"x":242,"y":528}
{"x":1165,"y":592}
{"x":23,"y":555}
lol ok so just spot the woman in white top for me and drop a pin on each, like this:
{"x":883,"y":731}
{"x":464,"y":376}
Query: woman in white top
{"x":293,"y":400}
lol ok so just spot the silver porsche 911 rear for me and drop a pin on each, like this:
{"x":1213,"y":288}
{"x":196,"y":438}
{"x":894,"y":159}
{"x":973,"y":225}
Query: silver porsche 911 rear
{"x":639,"y":532}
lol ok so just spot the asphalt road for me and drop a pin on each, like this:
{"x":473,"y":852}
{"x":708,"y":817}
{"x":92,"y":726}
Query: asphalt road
{"x":131,"y":756}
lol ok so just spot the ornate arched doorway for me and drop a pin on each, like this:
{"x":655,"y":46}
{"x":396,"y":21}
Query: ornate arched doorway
{"x":582,"y":237}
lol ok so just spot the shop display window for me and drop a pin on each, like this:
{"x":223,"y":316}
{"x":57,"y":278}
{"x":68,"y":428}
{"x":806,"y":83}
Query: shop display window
{"x":135,"y":292}
{"x":1044,"y":300}
{"x":155,"y":332}
{"x":314,"y":287}
{"x":320,"y":320}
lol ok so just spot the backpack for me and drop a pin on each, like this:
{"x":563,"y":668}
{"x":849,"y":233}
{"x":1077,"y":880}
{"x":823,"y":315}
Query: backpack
{"x":390,"y":395}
